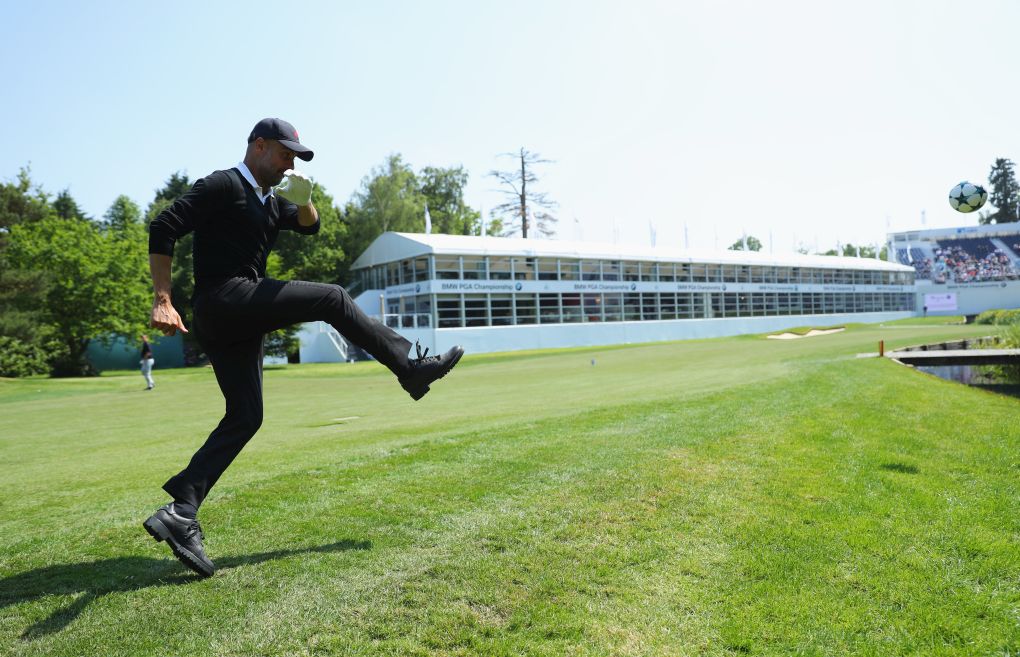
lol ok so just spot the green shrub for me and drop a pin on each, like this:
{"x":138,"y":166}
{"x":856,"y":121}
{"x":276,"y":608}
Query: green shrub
{"x":999,"y":317}
{"x":18,"y":358}
{"x":1009,"y":337}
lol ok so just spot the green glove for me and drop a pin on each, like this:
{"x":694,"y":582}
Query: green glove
{"x":296,"y":187}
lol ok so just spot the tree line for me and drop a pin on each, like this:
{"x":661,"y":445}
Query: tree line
{"x":67,"y":278}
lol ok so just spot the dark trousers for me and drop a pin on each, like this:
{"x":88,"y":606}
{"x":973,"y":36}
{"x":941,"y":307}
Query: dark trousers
{"x":230,"y":323}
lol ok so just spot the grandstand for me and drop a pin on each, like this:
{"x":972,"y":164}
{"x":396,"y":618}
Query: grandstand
{"x":979,"y":265}
{"x":502,"y":294}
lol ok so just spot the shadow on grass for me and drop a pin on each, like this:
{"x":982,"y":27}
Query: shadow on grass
{"x":900,"y":467}
{"x":95,"y":579}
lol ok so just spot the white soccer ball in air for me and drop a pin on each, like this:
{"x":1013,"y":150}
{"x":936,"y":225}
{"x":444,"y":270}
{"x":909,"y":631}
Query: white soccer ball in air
{"x":967,"y":197}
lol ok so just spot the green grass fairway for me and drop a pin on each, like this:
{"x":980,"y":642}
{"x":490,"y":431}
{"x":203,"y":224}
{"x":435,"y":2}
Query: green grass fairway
{"x":712,"y":497}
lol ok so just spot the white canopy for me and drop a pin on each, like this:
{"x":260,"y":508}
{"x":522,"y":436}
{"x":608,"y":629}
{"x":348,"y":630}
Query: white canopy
{"x":391,"y":247}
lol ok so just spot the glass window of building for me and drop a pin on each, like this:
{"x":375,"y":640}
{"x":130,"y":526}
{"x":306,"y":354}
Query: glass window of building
{"x":572,"y":308}
{"x":525,"y":308}
{"x":423,"y":310}
{"x":448,"y":311}
{"x":392,"y":274}
{"x":499,"y":268}
{"x":631,"y":271}
{"x":549,"y":308}
{"x":667,"y":271}
{"x":548,"y":269}
{"x":684,"y":308}
{"x":591,"y":270}
{"x":447,"y":267}
{"x":570,"y":270}
{"x":631,"y":307}
{"x":612,"y":270}
{"x":525,"y":269}
{"x":502,"y":306}
{"x":649,"y":305}
{"x":406,"y":271}
{"x":476,"y":311}
{"x":612,"y":310}
{"x":592,"y":307}
{"x":649,"y":271}
{"x":730,"y":304}
{"x":474,"y":267}
{"x":667,"y":305}
{"x":421,"y":269}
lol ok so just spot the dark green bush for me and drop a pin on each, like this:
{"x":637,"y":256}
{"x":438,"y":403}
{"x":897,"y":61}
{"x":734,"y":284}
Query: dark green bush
{"x":18,"y":358}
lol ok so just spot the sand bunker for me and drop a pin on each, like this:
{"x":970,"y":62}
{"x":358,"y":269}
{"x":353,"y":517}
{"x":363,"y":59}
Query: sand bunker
{"x":794,"y":336}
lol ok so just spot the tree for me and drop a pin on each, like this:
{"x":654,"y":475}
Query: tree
{"x":21,"y":202}
{"x":174,"y":188}
{"x":67,"y":208}
{"x":444,"y":192}
{"x":851,"y":251}
{"x":1004,"y":195}
{"x":752,"y":244}
{"x":26,"y":343}
{"x":122,"y":214}
{"x":390,"y":199}
{"x":97,"y":283}
{"x":524,"y":209}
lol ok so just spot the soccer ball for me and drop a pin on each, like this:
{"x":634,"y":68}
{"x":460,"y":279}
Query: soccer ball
{"x":967,"y":197}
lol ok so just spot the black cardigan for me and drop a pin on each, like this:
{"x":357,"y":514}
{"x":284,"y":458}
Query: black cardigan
{"x":234,"y":231}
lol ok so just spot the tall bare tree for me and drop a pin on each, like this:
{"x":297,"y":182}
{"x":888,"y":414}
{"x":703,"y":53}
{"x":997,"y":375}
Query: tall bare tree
{"x":525,"y":209}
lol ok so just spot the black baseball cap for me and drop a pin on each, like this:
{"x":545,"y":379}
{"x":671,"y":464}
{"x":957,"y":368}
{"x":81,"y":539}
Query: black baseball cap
{"x":282,"y":132}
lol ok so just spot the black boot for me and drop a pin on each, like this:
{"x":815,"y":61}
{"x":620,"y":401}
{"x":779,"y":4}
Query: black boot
{"x":183,"y":535}
{"x":425,"y":369}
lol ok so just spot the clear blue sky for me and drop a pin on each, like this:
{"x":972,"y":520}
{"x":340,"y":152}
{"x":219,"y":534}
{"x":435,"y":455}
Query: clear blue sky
{"x":812,"y":121}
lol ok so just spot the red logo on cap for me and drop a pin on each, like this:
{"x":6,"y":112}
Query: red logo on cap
{"x":295,"y":135}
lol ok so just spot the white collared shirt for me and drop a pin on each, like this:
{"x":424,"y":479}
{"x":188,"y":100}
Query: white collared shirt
{"x":243,"y":168}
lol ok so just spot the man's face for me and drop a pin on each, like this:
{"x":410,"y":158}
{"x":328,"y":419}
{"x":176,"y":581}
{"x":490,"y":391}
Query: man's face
{"x":273,"y":159}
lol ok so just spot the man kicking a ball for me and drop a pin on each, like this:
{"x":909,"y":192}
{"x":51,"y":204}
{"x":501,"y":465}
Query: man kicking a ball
{"x":236,"y":215}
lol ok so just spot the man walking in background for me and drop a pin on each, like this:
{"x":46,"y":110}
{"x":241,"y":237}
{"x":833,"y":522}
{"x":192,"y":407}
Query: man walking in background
{"x":147,"y":362}
{"x":236,"y":215}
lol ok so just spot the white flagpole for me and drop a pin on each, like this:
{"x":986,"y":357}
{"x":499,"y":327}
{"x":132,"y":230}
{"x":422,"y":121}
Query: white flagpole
{"x":428,"y":221}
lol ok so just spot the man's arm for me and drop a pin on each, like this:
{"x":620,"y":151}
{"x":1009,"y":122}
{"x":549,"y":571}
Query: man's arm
{"x":307,"y":215}
{"x":164,"y":316}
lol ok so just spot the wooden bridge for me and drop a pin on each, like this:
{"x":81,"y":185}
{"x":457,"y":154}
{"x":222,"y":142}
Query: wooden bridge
{"x":937,"y":358}
{"x":956,"y":353}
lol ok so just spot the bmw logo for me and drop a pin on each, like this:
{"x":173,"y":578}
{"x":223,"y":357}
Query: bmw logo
{"x":518,"y":286}
{"x":724,"y":288}
{"x":633,"y":286}
{"x":417,"y":288}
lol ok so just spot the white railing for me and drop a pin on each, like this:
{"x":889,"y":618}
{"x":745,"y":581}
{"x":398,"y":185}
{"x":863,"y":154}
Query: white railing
{"x":338,"y":342}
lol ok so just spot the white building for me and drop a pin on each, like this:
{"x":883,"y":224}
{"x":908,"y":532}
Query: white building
{"x":962,"y":271}
{"x":503,"y":294}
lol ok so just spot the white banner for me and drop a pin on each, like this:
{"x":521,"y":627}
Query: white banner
{"x":940,"y":302}
{"x":480,"y":286}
